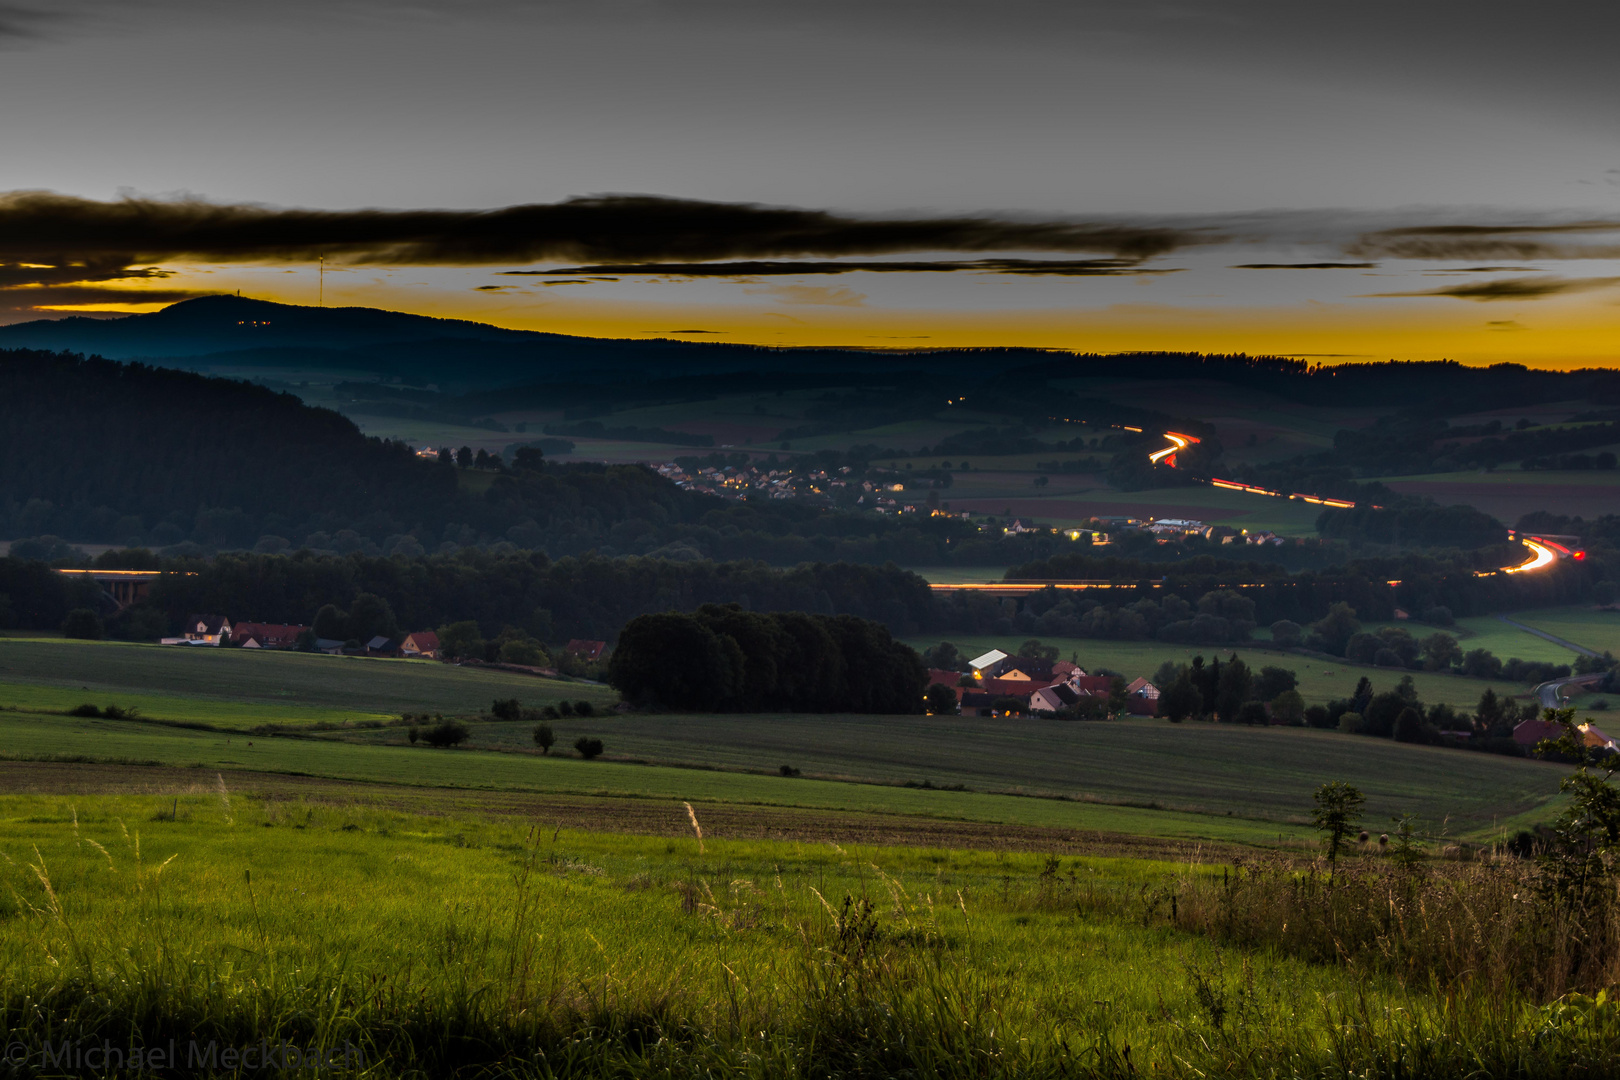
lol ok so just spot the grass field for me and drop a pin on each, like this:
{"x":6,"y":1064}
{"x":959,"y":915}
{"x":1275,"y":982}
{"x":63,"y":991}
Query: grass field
{"x":1598,"y":630}
{"x":275,"y":687}
{"x":410,"y":944}
{"x":1213,"y":782}
{"x":1320,"y":681}
{"x":1488,"y":632}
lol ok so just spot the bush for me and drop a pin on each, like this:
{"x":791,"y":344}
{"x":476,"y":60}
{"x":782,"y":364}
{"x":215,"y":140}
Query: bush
{"x":544,"y":738}
{"x":506,"y":709}
{"x":788,"y":770}
{"x":584,"y":708}
{"x":82,"y":623}
{"x":1253,"y":713}
{"x":1317,"y":716}
{"x":84,"y":710}
{"x":1288,"y":708}
{"x":940,"y":700}
{"x":588,"y":748}
{"x":1286,"y":634}
{"x":550,"y":713}
{"x":1350,"y":723}
{"x":447,"y":733}
{"x":566,"y":708}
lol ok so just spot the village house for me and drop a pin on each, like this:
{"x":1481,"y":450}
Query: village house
{"x":423,"y":644}
{"x":1142,"y":698}
{"x":202,"y":630}
{"x":252,"y":635}
{"x":581,"y":649}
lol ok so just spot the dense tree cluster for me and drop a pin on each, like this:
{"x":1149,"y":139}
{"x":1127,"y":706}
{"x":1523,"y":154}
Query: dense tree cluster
{"x":1413,"y":524}
{"x":722,"y":658}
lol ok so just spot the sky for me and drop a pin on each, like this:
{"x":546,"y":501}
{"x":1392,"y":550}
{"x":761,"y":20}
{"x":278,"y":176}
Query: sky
{"x":1408,"y":180}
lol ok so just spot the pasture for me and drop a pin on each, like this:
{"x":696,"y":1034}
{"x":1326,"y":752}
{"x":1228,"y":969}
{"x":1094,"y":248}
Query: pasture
{"x":421,"y":944}
{"x":259,"y":686}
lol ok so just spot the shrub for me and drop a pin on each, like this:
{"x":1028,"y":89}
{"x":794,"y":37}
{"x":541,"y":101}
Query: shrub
{"x":1288,"y":708}
{"x":1350,"y":723}
{"x":544,"y":738}
{"x":584,"y":708}
{"x":788,"y":770}
{"x":1317,"y":716}
{"x":588,"y":748}
{"x":550,"y":713}
{"x":506,"y":709}
{"x":940,"y":700}
{"x":1253,"y":713}
{"x":447,"y":733}
{"x":413,"y":734}
{"x":82,"y":623}
{"x":566,"y":708}
{"x":1286,"y":634}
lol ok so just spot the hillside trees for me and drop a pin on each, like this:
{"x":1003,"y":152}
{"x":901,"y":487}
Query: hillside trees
{"x":787,"y":662}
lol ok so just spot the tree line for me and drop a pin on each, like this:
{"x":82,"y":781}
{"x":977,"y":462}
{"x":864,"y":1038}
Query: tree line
{"x":722,"y":658}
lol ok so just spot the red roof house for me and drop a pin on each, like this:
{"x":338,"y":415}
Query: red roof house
{"x":580,"y":649}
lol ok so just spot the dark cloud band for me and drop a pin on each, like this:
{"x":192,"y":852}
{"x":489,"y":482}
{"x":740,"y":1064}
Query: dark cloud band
{"x":1536,"y":288}
{"x":765,"y":268}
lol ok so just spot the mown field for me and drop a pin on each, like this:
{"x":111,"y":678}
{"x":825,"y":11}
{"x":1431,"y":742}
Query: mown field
{"x":1597,"y":629}
{"x":1150,"y":777}
{"x":259,"y":687}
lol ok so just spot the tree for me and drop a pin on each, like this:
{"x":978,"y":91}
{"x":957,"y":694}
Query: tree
{"x":464,"y":457}
{"x":1235,"y":686}
{"x":1335,"y":629}
{"x":544,"y":738}
{"x":1167,"y":673}
{"x":1381,"y":714}
{"x":584,"y":708}
{"x":1273,"y":681}
{"x":940,"y":700}
{"x":1481,"y":664}
{"x":1585,"y":853}
{"x":461,"y":639}
{"x":1254,"y":714}
{"x":1441,"y":652}
{"x":588,"y":748}
{"x":82,"y":623}
{"x":1410,"y":728}
{"x":1036,"y":651}
{"x":1338,"y":810}
{"x":331,"y":623}
{"x":1180,"y":699}
{"x":1286,"y":634}
{"x":944,"y":657}
{"x":524,"y":653}
{"x":528,"y":459}
{"x":446,"y":733}
{"x":506,"y":708}
{"x":1288,"y":708}
{"x":371,"y":616}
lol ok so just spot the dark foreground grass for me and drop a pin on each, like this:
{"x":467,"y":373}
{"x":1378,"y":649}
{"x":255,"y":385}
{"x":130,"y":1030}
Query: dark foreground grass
{"x":418,"y":945}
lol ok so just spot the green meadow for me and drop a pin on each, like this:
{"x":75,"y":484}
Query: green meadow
{"x":243,"y":688}
{"x":388,"y":944}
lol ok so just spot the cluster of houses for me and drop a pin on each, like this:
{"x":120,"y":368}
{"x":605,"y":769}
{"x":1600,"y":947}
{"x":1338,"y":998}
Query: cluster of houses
{"x":218,"y":630}
{"x":1037,"y":685}
{"x":1528,"y":733}
{"x":751,"y":481}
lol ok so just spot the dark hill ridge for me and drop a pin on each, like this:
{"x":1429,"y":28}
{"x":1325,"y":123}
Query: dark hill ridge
{"x":244,"y":336}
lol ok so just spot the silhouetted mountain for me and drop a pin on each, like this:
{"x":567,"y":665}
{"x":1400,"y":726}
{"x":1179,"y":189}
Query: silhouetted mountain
{"x":240,"y":335}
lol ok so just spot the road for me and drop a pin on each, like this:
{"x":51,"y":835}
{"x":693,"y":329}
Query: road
{"x":1547,"y":692}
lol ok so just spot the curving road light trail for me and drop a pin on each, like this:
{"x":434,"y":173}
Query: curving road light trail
{"x":1543,"y":553}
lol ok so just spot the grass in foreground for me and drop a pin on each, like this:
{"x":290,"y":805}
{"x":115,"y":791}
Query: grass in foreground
{"x":424,"y":945}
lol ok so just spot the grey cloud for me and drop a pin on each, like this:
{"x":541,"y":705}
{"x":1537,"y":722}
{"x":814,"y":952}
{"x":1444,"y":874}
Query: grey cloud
{"x":764,"y":268}
{"x":1513,"y":288}
{"x":1505,"y":241}
{"x":1307,"y":266}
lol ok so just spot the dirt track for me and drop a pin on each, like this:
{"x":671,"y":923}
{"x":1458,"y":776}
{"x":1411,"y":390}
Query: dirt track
{"x":646,"y":817}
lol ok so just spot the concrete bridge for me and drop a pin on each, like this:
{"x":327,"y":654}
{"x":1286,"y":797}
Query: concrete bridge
{"x":122,"y":587}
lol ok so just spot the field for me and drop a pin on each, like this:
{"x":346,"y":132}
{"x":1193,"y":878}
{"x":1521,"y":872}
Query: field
{"x":385,"y":943}
{"x":1508,"y":494}
{"x":259,"y":687}
{"x":1598,"y":630}
{"x":1145,"y":777}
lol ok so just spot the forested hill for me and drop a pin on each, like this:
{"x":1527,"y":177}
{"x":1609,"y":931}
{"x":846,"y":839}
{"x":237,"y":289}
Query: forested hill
{"x":462,"y":357}
{"x":97,"y":450}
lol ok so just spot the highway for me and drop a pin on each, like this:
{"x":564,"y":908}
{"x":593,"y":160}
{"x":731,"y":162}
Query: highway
{"x":1544,"y":552}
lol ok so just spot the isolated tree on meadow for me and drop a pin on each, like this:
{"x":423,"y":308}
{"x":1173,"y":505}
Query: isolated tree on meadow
{"x":588,"y":748}
{"x":1338,"y":810}
{"x":544,"y":738}
{"x":1441,"y":652}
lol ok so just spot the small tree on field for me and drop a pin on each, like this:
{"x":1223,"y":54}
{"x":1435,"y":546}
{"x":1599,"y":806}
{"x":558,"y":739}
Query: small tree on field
{"x":506,"y":709}
{"x":544,"y":738}
{"x":1338,"y":809}
{"x":588,"y":748}
{"x":446,"y":733}
{"x":584,"y":708}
